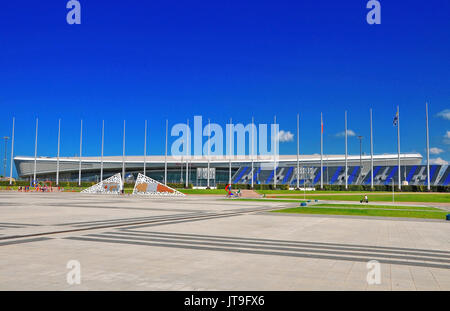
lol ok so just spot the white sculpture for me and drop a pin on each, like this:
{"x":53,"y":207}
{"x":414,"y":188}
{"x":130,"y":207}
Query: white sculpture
{"x":111,"y":185}
{"x":146,"y":186}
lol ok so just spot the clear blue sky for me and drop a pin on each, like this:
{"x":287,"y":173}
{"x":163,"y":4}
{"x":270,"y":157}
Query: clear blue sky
{"x":153,"y":60}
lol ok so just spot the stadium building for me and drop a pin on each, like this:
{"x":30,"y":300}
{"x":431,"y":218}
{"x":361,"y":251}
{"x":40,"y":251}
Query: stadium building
{"x":385,"y":169}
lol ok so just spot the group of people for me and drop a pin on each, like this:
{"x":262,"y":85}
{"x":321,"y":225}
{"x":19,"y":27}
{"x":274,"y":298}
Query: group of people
{"x":230,"y":193}
{"x":38,"y":188}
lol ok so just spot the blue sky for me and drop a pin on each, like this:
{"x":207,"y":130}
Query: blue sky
{"x":138,"y":60}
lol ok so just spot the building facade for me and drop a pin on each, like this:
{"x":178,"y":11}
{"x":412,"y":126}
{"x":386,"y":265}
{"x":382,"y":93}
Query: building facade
{"x":266,"y":169}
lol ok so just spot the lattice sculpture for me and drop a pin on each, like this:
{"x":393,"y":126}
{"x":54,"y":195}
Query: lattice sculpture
{"x":146,"y":186}
{"x":111,"y":185}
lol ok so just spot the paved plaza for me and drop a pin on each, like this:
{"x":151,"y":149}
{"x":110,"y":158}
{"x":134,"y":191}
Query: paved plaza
{"x":209,"y":243}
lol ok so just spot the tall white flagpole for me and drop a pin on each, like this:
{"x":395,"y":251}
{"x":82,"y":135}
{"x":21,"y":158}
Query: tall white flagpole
{"x":123,"y":157}
{"x":321,"y":151}
{"x":371,"y":150}
{"x":12,"y":153}
{"x":398,"y":146}
{"x":57,"y":157}
{"x":428,"y":150}
{"x":145,"y":146}
{"x":35,"y":150}
{"x":101,"y":160}
{"x":298,"y":151}
{"x":346,"y":152}
{"x":253,"y":151}
{"x":229,"y":164}
{"x":81,"y":144}
{"x":275,"y":139}
{"x":209,"y":148}
{"x":187,"y":153}
{"x":165,"y":154}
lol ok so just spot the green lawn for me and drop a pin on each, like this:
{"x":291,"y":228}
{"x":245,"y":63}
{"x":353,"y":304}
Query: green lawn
{"x":302,"y":191}
{"x":349,"y":206}
{"x":364,"y":212}
{"x":399,"y":197}
{"x":203,"y":191}
{"x":267,"y":192}
{"x":271,"y":200}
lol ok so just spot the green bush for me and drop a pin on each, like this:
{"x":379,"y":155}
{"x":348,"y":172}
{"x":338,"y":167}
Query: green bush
{"x":74,"y":184}
{"x":180,"y":185}
{"x":271,"y":187}
{"x":15,"y":183}
{"x":256,"y":187}
{"x":63,"y":184}
{"x":128,"y":185}
{"x":408,"y":188}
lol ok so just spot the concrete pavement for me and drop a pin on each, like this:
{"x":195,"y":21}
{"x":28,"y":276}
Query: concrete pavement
{"x":207,"y":243}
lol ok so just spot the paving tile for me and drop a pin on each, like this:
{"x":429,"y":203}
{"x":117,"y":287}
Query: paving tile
{"x":260,"y":251}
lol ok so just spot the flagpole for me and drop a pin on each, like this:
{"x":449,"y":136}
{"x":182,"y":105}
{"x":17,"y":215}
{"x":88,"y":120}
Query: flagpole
{"x":81,"y":144}
{"x":12,"y":153}
{"x":209,"y":148}
{"x":187,"y":152}
{"x":346,"y":152}
{"x":428,"y":150}
{"x":371,"y":151}
{"x":145,"y":146}
{"x":253,"y":151}
{"x":165,"y":154}
{"x":298,"y":151}
{"x":35,"y":150}
{"x":274,"y":153}
{"x":57,"y":158}
{"x":321,"y":151}
{"x":398,"y":146}
{"x":123,"y":157}
{"x":229,"y":164}
{"x":101,"y":161}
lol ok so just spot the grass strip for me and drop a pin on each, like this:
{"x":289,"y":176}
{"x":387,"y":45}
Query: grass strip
{"x":423,"y":208}
{"x":364,"y":212}
{"x":433,"y":198}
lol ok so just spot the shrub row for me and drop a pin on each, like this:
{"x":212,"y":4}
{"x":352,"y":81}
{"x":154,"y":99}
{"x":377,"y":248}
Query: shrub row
{"x":256,"y":187}
{"x":5,"y":183}
{"x":408,"y":188}
{"x":180,"y":185}
{"x":64,"y":184}
{"x":405,"y":188}
{"x":84,"y":184}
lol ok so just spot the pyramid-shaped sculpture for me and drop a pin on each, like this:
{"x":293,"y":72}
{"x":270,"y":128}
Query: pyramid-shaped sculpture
{"x":147,"y":186}
{"x":111,"y":185}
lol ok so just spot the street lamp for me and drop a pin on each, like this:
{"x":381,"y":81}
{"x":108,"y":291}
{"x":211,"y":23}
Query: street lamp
{"x":5,"y":158}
